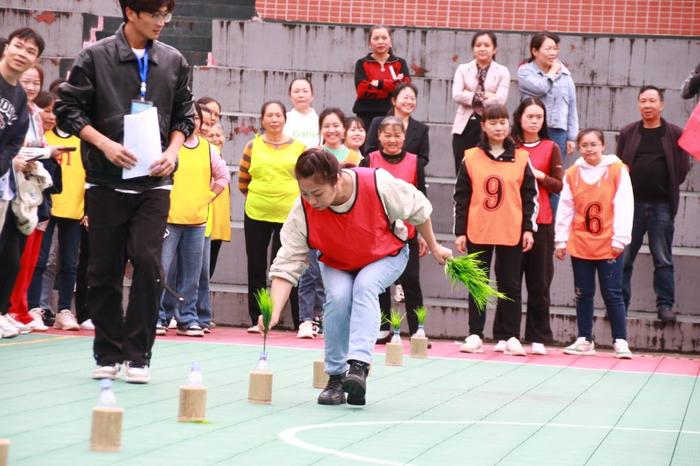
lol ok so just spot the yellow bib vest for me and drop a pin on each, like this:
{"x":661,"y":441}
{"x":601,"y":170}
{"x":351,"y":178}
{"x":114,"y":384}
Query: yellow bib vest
{"x":70,"y":203}
{"x":191,"y":194}
{"x":273,"y":188}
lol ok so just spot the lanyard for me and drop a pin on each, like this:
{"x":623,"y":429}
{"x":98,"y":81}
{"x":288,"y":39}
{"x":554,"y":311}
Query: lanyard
{"x":143,"y":72}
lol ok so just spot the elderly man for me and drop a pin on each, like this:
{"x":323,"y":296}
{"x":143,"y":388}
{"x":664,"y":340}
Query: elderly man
{"x":657,"y":166}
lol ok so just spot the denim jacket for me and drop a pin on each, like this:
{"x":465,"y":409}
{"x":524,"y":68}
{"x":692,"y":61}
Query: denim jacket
{"x":558,"y":95}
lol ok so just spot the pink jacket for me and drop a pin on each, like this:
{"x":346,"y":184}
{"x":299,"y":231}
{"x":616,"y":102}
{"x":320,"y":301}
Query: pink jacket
{"x":464,"y":86}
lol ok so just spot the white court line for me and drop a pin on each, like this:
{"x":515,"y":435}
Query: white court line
{"x":289,"y":436}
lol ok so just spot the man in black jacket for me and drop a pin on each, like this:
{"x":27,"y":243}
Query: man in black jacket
{"x":117,"y":76}
{"x":658,"y":166}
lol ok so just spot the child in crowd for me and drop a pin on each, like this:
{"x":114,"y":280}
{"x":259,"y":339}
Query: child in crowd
{"x":495,"y":209}
{"x":594,"y":224}
{"x":530,"y":133}
{"x":404,"y":166}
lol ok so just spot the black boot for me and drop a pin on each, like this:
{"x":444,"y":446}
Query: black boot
{"x":355,"y":382}
{"x":333,"y":393}
{"x":666,"y":314}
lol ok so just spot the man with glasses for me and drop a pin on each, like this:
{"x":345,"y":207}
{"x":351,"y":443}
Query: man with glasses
{"x":658,"y":166}
{"x":124,"y":74}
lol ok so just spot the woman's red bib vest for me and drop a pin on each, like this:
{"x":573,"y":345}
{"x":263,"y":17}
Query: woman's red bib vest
{"x":541,"y":159}
{"x":354,"y":239}
{"x":406,"y":170}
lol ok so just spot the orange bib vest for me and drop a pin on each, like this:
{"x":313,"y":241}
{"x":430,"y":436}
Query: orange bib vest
{"x":594,"y":213}
{"x":495,"y":208}
{"x":354,"y":239}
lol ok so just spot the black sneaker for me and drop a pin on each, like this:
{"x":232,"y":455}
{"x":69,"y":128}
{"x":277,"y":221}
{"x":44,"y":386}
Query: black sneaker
{"x":333,"y":394}
{"x":355,"y":382}
{"x":666,"y":314}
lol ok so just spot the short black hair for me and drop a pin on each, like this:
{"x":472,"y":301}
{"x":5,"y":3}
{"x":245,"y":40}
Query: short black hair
{"x":28,"y":34}
{"x":649,"y":87}
{"x":539,"y":38}
{"x":149,"y":6}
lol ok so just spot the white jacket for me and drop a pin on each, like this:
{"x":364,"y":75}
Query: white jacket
{"x":623,"y":203}
{"x":29,"y":197}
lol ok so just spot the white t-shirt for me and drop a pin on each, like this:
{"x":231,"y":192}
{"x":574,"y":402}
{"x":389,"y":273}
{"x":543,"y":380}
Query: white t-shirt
{"x":303,"y":127}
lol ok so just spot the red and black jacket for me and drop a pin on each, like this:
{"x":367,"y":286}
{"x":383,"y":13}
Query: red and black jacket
{"x":371,"y":99}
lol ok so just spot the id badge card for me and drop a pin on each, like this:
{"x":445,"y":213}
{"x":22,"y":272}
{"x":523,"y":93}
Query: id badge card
{"x":139,"y":105}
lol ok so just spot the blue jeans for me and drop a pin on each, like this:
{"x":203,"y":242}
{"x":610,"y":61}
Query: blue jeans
{"x":311,"y":294}
{"x":182,"y":265}
{"x":68,"y":247}
{"x":203,"y":303}
{"x":351,"y":312}
{"x":656,"y":219}
{"x":610,"y":279}
{"x":559,"y":136}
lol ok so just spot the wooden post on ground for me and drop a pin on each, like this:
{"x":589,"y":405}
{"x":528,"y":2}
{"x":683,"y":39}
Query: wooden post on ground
{"x":260,"y":387}
{"x":193,"y":403}
{"x":419,"y":347}
{"x":4,"y":451}
{"x":320,"y":376}
{"x":106,"y":434}
{"x":394,"y":354}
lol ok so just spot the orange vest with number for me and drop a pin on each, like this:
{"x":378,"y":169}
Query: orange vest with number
{"x":495,"y":208}
{"x":594,"y":213}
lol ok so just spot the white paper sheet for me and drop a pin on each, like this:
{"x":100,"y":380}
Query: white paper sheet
{"x":142,"y":138}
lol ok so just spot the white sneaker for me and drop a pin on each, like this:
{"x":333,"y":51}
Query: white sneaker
{"x":399,"y":297}
{"x":622,"y":349}
{"x":173,"y":323}
{"x":194,"y":330}
{"x":136,"y":374}
{"x":87,"y":325}
{"x":500,"y":346}
{"x":66,"y":321}
{"x":306,"y":330}
{"x":538,"y":348}
{"x":472,"y":344}
{"x":37,"y":323}
{"x":7,"y":330}
{"x":161,"y":330}
{"x":106,"y":372}
{"x":253,"y":329}
{"x":514,"y":347}
{"x":581,"y":347}
{"x":21,"y":328}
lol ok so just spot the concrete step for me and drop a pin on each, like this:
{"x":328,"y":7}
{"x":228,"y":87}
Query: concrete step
{"x":243,"y":90}
{"x":593,"y":60}
{"x":224,"y":9}
{"x":448,"y":319}
{"x":63,"y":32}
{"x":230,"y":270}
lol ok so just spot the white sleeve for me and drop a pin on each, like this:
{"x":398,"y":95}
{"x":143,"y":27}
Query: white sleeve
{"x":623,"y":205}
{"x":290,"y":261}
{"x":565,"y":215}
{"x":402,"y":200}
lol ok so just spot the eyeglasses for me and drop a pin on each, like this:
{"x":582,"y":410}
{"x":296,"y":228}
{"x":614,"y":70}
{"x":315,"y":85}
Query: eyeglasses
{"x":586,"y":146}
{"x":166,"y":17}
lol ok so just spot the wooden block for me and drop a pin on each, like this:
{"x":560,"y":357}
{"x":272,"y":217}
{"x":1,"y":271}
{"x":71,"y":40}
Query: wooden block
{"x":4,"y":451}
{"x":193,"y":404}
{"x":260,"y":387}
{"x":394,"y":354}
{"x":419,"y":347}
{"x":320,"y":376}
{"x":106,"y":434}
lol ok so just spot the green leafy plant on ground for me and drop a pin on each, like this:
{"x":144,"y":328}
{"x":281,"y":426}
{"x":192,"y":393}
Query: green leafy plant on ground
{"x":264,"y":300}
{"x":395,"y":319}
{"x":421,"y":314}
{"x":469,"y":271}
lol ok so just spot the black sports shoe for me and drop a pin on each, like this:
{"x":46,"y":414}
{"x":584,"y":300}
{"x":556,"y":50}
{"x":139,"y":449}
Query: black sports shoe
{"x":333,"y":394}
{"x":666,"y":314}
{"x":355,"y":382}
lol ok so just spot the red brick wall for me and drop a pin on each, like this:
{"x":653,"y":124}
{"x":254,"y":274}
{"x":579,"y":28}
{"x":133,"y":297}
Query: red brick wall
{"x":635,"y":17}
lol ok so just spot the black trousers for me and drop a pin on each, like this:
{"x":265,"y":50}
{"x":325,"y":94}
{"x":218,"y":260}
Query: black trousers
{"x":125,"y":226}
{"x":81,"y":310}
{"x":410,"y":281}
{"x":214,"y":255}
{"x":469,"y":138}
{"x":11,"y":246}
{"x":258,"y":235}
{"x":506,"y":324}
{"x":538,"y":268}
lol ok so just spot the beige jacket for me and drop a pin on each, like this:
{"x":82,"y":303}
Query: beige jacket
{"x":401,"y":200}
{"x":464,"y":85}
